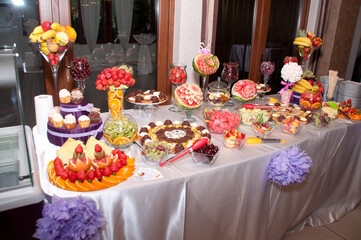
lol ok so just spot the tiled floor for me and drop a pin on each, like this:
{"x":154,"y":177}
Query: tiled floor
{"x":348,"y":228}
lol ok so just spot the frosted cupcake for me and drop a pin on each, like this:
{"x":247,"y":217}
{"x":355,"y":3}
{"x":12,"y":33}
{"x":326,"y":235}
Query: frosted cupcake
{"x":84,"y":121}
{"x":94,"y":117}
{"x":76,"y":96}
{"x":70,"y":121}
{"x":58,"y":120}
{"x":64,"y":96}
{"x":52,"y":112}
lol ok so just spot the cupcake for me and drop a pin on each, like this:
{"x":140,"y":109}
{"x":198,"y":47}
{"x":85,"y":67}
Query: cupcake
{"x":64,"y":96}
{"x":52,"y":112}
{"x":70,"y":121}
{"x":94,"y":117}
{"x":76,"y":96}
{"x":84,"y":121}
{"x":58,"y":120}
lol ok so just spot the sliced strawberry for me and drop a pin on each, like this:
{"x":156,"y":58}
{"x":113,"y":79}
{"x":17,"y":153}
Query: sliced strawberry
{"x":73,"y":176}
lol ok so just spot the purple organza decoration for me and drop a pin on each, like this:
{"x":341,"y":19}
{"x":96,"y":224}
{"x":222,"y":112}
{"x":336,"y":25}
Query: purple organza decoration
{"x":69,"y":219}
{"x":289,"y":166}
{"x":70,"y":108}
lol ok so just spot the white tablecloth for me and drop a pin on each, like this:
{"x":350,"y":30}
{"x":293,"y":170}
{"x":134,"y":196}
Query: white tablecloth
{"x":232,"y":199}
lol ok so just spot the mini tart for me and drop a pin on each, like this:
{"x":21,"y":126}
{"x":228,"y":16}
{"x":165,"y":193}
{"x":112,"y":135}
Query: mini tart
{"x":58,"y":120}
{"x":64,"y":96}
{"x":76,"y":96}
{"x":52,"y":112}
{"x":84,"y":121}
{"x":70,"y":121}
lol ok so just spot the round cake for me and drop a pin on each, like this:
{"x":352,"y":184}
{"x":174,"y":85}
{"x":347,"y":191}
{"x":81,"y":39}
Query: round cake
{"x":178,"y":136}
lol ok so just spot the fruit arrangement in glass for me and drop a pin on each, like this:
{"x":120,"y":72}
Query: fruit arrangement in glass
{"x":80,"y":71}
{"x":310,"y":100}
{"x":177,"y":76}
{"x":154,"y":152}
{"x":321,"y":120}
{"x":267,"y":68}
{"x":217,"y":95}
{"x":120,"y":132}
{"x":188,"y":97}
{"x":205,"y":155}
{"x":230,"y":72}
{"x":291,"y":125}
{"x":306,"y":43}
{"x":233,"y":139}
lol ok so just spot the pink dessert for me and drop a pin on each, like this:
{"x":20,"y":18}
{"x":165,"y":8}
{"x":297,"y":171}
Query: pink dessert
{"x":221,"y":121}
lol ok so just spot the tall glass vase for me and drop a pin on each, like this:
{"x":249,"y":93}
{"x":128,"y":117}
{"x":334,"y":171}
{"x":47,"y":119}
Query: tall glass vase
{"x":53,"y":59}
{"x":177,"y":76}
{"x":115,"y":103}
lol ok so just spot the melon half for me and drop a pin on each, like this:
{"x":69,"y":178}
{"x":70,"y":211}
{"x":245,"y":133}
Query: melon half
{"x":188,"y":96}
{"x":244,"y":90}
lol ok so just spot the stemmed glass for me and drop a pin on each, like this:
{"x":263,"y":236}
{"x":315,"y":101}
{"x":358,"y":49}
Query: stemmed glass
{"x":305,"y":53}
{"x":230,"y":74}
{"x":267,"y":68}
{"x":53,"y":59}
{"x":177,"y":76}
{"x":80,"y":71}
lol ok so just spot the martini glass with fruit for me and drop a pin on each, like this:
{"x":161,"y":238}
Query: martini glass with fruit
{"x":177,"y":76}
{"x":305,"y":45}
{"x":80,"y":71}
{"x":53,"y":41}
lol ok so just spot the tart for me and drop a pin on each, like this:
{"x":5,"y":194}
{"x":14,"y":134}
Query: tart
{"x":64,"y":96}
{"x":177,"y":135}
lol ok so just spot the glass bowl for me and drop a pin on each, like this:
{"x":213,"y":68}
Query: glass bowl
{"x":262,"y":130}
{"x":219,"y":121}
{"x":154,"y":156}
{"x":250,"y":112}
{"x":321,"y":119}
{"x":204,"y":159}
{"x":233,"y":143}
{"x":291,"y":125}
{"x":310,"y":100}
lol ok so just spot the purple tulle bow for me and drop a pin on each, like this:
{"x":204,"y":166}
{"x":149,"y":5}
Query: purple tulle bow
{"x":288,"y":85}
{"x":289,"y":166}
{"x":204,"y":50}
{"x":69,"y":219}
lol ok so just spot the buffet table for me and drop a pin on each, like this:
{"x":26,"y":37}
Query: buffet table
{"x":231,"y":199}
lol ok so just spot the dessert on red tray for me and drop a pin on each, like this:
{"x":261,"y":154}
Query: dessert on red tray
{"x":291,"y":125}
{"x":220,"y":121}
{"x":89,"y":168}
{"x":233,"y":139}
{"x":310,"y":100}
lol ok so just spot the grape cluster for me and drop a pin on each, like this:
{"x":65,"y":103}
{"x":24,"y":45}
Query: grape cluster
{"x":79,"y":68}
{"x":321,"y":119}
{"x":208,"y":149}
{"x":154,"y":151}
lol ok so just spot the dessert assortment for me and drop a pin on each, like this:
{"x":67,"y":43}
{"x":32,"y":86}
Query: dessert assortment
{"x":177,"y":135}
{"x":89,"y":167}
{"x":74,"y":118}
{"x":146,"y":97}
{"x":281,"y":112}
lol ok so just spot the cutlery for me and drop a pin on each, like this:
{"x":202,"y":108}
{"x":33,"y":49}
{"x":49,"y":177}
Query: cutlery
{"x":254,"y":140}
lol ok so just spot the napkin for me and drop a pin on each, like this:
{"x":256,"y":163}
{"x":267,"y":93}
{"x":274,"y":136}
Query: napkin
{"x":332,"y":81}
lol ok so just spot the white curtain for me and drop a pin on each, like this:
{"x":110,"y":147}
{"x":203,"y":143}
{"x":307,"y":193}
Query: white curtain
{"x":124,"y":15}
{"x":90,"y":11}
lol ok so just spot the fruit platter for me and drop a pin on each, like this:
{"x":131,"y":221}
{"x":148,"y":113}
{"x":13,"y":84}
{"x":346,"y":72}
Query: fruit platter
{"x":149,"y":97}
{"x":89,"y":167}
{"x":347,"y":107}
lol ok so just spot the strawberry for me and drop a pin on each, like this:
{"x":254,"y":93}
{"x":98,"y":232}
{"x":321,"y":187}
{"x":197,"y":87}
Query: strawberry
{"x":131,"y":81}
{"x":122,"y":156}
{"x":100,"y":87}
{"x":106,"y":87}
{"x":127,"y":76}
{"x":108,"y":76}
{"x":343,"y":102}
{"x":114,"y":69}
{"x":91,"y":174}
{"x":319,"y":84}
{"x":106,"y":171}
{"x":110,"y":82}
{"x":122,"y":71}
{"x":123,"y":81}
{"x":97,"y":82}
{"x":349,"y":100}
{"x":51,"y":56}
{"x":79,"y":149}
{"x":115,"y":77}
{"x":64,"y":174}
{"x":124,"y":162}
{"x":114,"y":168}
{"x":115,"y":151}
{"x":98,"y":148}
{"x":116,"y":84}
{"x":73,"y":176}
{"x":98,"y":173}
{"x":119,"y":164}
{"x":307,"y":49}
{"x":81,"y":175}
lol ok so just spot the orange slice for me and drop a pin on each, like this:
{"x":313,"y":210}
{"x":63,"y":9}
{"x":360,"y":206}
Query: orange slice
{"x":99,"y":185}
{"x":114,"y":104}
{"x":80,"y":187}
{"x":119,"y":93}
{"x":89,"y":185}
{"x":51,"y":173}
{"x":107,"y":180}
{"x":305,"y":104}
{"x":121,"y":140}
{"x":110,"y":140}
{"x":60,"y":182}
{"x":114,"y":114}
{"x":70,"y":186}
{"x":316,"y":105}
{"x":119,"y":178}
{"x":54,"y":177}
{"x":131,"y":162}
{"x":111,"y":94}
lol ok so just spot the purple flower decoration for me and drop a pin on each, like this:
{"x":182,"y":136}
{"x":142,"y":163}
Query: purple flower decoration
{"x":289,"y":166}
{"x":69,"y":219}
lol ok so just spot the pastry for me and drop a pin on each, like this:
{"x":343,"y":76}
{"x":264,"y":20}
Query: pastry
{"x":64,"y":96}
{"x":70,"y":121}
{"x":52,"y":112}
{"x":83,"y":121}
{"x":58,"y":120}
{"x":76,"y":96}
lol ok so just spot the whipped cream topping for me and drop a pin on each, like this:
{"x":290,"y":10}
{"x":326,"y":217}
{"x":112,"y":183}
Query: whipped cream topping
{"x":57,"y":117}
{"x":70,"y":118}
{"x":64,"y":93}
{"x":83,"y":118}
{"x":76,"y":93}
